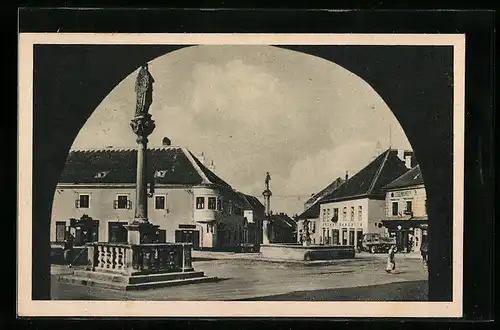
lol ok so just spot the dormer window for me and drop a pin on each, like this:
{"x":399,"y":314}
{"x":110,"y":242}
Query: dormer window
{"x":160,"y":174}
{"x":101,"y":175}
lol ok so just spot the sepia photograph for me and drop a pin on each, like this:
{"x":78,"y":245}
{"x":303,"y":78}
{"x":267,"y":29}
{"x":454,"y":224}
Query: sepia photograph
{"x":241,"y":175}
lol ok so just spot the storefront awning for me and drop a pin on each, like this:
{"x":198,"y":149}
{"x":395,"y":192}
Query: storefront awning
{"x":419,"y":222}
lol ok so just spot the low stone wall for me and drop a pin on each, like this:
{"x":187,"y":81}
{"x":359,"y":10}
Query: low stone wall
{"x":57,"y":254}
{"x":306,"y":253}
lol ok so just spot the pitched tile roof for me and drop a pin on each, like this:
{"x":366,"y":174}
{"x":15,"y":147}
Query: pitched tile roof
{"x":327,"y":190}
{"x":371,"y":179}
{"x":257,"y":206}
{"x":172,"y":165}
{"x":367,"y":182}
{"x":282,"y":220}
{"x":120,"y":165}
{"x":311,"y":213}
{"x":411,"y":178}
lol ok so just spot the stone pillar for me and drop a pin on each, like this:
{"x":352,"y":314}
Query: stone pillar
{"x":139,"y":229}
{"x":141,"y":197}
{"x":266,"y":228}
{"x":265,"y":231}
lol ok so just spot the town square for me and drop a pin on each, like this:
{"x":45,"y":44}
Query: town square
{"x":160,"y":222}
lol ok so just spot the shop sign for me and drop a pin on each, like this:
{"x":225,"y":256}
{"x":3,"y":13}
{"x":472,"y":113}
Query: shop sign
{"x":403,"y":193}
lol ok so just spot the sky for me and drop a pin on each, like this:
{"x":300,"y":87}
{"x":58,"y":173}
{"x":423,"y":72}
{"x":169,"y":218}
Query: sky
{"x":252,"y":110}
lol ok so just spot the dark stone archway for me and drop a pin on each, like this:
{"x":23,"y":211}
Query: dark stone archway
{"x":415,"y":82}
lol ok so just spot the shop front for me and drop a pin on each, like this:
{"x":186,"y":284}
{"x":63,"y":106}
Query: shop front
{"x":84,"y":230}
{"x":409,"y":234}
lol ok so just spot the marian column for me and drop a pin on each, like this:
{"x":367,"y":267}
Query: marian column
{"x":140,"y":230}
{"x":267,"y":204}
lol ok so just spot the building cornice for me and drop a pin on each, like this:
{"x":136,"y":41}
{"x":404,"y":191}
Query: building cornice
{"x":355,"y":197}
{"x":418,"y":186}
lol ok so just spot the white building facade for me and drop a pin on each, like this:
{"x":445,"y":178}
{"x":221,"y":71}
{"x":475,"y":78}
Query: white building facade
{"x":345,"y":222}
{"x":406,"y":211}
{"x":187,"y":201}
{"x":357,"y":206}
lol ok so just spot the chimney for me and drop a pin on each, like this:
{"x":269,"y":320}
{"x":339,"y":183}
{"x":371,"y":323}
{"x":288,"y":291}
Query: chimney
{"x":401,"y":154}
{"x":202,"y":158}
{"x":346,"y":175}
{"x":212,"y":166}
{"x":166,"y":142}
{"x":408,"y":158}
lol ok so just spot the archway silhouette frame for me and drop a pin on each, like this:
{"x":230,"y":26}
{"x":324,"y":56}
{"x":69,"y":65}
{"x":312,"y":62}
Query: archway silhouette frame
{"x":416,"y":82}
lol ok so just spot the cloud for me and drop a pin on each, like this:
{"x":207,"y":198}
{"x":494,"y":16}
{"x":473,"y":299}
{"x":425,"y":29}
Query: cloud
{"x":255,"y":109}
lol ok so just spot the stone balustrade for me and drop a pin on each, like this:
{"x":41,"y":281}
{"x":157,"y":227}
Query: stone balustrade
{"x":139,"y":259}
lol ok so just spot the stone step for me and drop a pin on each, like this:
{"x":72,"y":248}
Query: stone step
{"x":135,"y":279}
{"x":140,"y":286}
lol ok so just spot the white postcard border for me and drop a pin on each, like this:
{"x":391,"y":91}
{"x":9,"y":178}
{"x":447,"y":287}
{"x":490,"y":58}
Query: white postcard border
{"x":28,"y":307}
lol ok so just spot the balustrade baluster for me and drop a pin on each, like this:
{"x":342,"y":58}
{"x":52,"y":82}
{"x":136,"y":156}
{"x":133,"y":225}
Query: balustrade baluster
{"x":109,"y":260}
{"x":115,"y":257}
{"x":100,"y":259}
{"x":121,"y":259}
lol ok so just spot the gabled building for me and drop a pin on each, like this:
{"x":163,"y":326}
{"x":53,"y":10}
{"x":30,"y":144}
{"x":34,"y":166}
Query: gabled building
{"x":358,"y":205}
{"x":312,"y":210}
{"x":95,"y":197}
{"x":282,"y":228}
{"x":406,"y":210}
{"x":327,"y":190}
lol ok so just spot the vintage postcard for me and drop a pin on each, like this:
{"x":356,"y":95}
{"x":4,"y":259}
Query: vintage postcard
{"x":241,"y":175}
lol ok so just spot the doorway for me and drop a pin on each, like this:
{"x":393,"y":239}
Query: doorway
{"x":351,"y":237}
{"x":402,"y":240}
{"x":117,"y":233}
{"x":335,"y":237}
{"x":188,"y":236}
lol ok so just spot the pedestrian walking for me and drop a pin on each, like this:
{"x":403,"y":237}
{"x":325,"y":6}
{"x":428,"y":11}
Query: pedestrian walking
{"x":424,"y":253}
{"x":391,"y":263}
{"x":68,"y":249}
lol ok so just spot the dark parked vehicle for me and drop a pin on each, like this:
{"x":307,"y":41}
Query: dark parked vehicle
{"x":376,"y":243}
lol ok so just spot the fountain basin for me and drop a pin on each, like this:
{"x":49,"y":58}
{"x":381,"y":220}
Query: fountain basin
{"x":306,"y":253}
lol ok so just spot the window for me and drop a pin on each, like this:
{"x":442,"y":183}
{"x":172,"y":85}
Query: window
{"x":219,"y":204}
{"x":336,"y":213}
{"x":408,"y":206}
{"x":83,"y":201}
{"x":200,"y":203}
{"x":230,"y":207}
{"x":328,"y":215}
{"x":60,"y":231}
{"x":212,"y":203}
{"x":395,"y":210}
{"x":324,"y":215}
{"x":360,"y":213}
{"x":160,"y":202}
{"x":344,"y":215}
{"x":352,"y":213}
{"x":122,"y":202}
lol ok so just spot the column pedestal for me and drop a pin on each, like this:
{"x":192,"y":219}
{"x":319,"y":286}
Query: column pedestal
{"x":265,"y":232}
{"x":141,"y":232}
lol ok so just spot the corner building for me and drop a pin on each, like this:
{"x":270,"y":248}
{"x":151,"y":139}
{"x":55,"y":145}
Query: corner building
{"x":96,"y":193}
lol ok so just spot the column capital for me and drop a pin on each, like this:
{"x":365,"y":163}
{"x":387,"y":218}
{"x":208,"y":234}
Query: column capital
{"x":142,"y":126}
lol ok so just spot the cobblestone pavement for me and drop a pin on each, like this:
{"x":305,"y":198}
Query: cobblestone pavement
{"x":245,"y":279}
